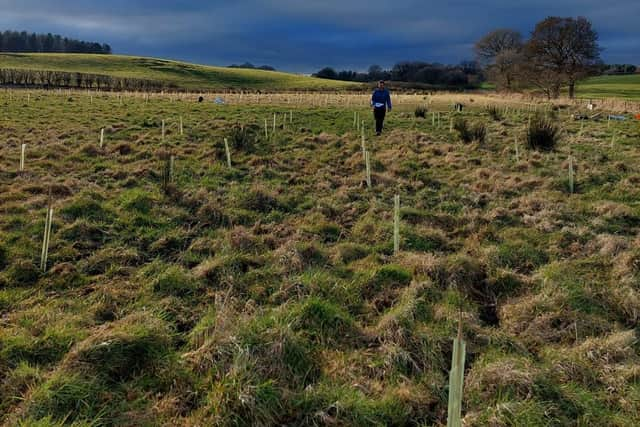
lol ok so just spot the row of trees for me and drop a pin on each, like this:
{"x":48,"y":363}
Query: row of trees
{"x":250,"y":66}
{"x":463,"y":75}
{"x":559,"y":52}
{"x":620,"y":69}
{"x":14,"y":41}
{"x":60,"y":79}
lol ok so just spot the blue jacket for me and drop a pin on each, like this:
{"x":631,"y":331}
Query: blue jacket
{"x":381,"y":97}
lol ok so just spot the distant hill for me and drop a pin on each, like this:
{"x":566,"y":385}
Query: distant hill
{"x":179,"y":74}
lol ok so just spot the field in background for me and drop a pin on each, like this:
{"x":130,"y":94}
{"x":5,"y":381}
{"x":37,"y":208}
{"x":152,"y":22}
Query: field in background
{"x":181,"y":74}
{"x":182,"y":291}
{"x":624,"y":87}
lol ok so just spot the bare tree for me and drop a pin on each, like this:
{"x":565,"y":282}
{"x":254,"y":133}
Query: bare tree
{"x":565,"y":49}
{"x":500,"y":52}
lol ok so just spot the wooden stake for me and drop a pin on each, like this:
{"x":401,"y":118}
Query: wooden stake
{"x":571,"y":174}
{"x":47,"y":235}
{"x":226,"y":148}
{"x":163,"y":130}
{"x":367,"y":161}
{"x":101,"y":137}
{"x":517,"y":153}
{"x":274,"y":123}
{"x":613,"y":139}
{"x":266,"y":129}
{"x":396,"y":225}
{"x":181,"y":126}
{"x":456,"y":379}
{"x":23,"y":147}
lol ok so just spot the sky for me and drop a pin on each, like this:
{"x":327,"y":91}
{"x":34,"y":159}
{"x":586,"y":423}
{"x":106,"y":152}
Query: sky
{"x":306,"y":35}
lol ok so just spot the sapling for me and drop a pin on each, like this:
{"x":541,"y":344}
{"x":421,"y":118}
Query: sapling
{"x":172,"y":161}
{"x":433,"y":119}
{"x":274,"y":123}
{"x":226,"y":148}
{"x":181,"y":126}
{"x":355,"y":119}
{"x":163,"y":130}
{"x":396,"y":224}
{"x":266,"y":129}
{"x":517,"y":152}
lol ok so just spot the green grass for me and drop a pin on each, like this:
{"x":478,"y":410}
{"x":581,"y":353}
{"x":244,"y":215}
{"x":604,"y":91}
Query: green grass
{"x":183,"y":75}
{"x":625,"y":87}
{"x":268,"y":293}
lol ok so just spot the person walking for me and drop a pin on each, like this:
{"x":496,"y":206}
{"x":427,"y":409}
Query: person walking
{"x":380,"y":101}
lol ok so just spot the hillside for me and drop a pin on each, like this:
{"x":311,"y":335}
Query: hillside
{"x":180,"y":74}
{"x":627,"y":87}
{"x":187,"y":288}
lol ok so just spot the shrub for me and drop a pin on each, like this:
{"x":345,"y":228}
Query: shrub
{"x":470,"y":133}
{"x":542,"y":134}
{"x":420,"y":112}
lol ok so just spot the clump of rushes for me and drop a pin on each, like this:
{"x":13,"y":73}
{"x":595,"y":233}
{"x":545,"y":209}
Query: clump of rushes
{"x":542,"y":134}
{"x":476,"y":132}
{"x":420,"y":112}
{"x":494,"y":113}
{"x":244,"y":137}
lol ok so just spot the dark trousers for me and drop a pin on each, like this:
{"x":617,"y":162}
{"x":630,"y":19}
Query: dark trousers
{"x":378,"y":114}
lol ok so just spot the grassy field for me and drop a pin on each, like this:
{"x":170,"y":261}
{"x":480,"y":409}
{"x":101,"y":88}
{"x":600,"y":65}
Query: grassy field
{"x":625,"y":87}
{"x":191,"y":293}
{"x":183,"y":75}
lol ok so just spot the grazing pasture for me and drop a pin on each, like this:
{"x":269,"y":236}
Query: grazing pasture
{"x":209,"y":266}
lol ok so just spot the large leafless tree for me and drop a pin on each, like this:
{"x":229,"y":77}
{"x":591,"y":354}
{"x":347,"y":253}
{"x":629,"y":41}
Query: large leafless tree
{"x":563,"y":49}
{"x":500,"y":51}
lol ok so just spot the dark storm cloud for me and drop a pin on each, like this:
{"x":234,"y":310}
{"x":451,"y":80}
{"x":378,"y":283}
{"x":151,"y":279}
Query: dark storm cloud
{"x":304,"y":35}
